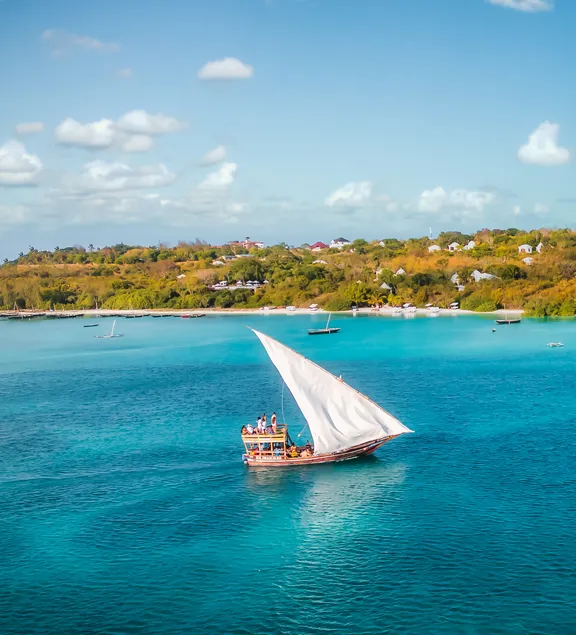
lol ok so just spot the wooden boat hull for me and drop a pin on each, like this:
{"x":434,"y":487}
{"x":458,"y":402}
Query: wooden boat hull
{"x":323,"y":331}
{"x":516,"y":321}
{"x":346,"y":455}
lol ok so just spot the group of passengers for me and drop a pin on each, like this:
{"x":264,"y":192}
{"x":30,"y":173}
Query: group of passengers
{"x":262,"y":426}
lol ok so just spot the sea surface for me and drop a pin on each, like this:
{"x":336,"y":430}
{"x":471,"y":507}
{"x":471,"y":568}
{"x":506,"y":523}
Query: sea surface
{"x":125,"y":507}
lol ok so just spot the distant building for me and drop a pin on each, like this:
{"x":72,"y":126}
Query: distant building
{"x":478,"y":276}
{"x":386,"y":286}
{"x":469,"y":245}
{"x":339,"y":243}
{"x":454,"y":246}
{"x":217,"y":263}
{"x":318,"y":246}
{"x":319,"y":262}
{"x":400,"y":272}
{"x":434,"y":248}
{"x":455,"y":279}
{"x":539,"y":247}
{"x":525,"y":249}
{"x":246,"y":244}
{"x":528,"y":261}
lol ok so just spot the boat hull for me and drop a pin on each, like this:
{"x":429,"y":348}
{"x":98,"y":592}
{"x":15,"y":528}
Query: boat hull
{"x":323,"y":331}
{"x":345,"y":455}
{"x":516,"y":321}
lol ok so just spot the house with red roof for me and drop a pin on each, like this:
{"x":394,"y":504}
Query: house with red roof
{"x":318,"y":246}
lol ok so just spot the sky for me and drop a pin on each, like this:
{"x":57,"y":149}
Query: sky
{"x":141,"y":121}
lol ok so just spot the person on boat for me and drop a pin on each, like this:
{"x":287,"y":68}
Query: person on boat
{"x":293,"y":452}
{"x":244,"y":430}
{"x":309,"y":447}
{"x":249,"y":429}
{"x":259,"y":424}
{"x":273,"y":421}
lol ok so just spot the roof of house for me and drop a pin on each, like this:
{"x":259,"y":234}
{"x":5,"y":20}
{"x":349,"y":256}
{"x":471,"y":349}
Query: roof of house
{"x":340,"y":240}
{"x":319,"y":245}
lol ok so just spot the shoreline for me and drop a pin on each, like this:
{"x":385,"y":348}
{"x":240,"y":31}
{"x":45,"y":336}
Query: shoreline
{"x":386,"y":311}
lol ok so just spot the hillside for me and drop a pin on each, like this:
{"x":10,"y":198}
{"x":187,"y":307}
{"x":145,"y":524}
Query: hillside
{"x":487,"y":274}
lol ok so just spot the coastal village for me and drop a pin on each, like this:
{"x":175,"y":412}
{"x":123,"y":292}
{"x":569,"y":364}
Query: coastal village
{"x":486,"y":271}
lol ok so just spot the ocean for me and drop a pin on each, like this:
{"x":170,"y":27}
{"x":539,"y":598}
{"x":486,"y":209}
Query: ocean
{"x":125,"y":507}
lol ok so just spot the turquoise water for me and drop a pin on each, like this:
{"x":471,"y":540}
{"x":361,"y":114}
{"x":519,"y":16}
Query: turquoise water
{"x":125,"y":507}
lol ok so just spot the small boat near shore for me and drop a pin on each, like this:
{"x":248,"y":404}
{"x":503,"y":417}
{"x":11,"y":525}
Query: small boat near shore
{"x":509,"y":321}
{"x":90,"y":326}
{"x":326,"y":330}
{"x":555,"y":344}
{"x":344,"y":423}
{"x":109,"y":335}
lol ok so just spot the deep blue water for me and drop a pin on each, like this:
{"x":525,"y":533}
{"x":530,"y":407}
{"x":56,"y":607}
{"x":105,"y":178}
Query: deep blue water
{"x":125,"y":507}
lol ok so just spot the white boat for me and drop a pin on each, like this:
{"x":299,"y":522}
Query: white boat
{"x":109,"y":335}
{"x":555,"y":344}
{"x":397,"y":311}
{"x":343,"y":422}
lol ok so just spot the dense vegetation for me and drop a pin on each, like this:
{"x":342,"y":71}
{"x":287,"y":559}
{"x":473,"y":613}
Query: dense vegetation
{"x":123,"y":277}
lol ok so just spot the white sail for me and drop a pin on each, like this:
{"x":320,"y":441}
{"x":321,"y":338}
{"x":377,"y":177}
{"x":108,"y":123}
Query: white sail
{"x":339,"y":417}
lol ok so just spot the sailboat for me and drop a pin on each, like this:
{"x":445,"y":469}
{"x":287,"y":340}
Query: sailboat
{"x":109,"y":335}
{"x":324,"y":331}
{"x":344,"y":423}
{"x":508,"y":320}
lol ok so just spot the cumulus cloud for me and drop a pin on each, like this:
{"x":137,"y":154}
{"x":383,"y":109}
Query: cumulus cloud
{"x":96,"y":135}
{"x":141,"y":122}
{"x":11,"y":215}
{"x":115,"y":177}
{"x":439,"y":200}
{"x":131,"y":132}
{"x":528,"y":6}
{"x":227,"y":68}
{"x":222,"y":178}
{"x":214,"y":156}
{"x":353,"y":194}
{"x":61,"y":42}
{"x":17,"y":167}
{"x":138,"y":143}
{"x":30,"y":127}
{"x":542,"y":147}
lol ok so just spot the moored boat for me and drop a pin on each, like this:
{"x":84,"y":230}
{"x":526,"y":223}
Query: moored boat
{"x":511,"y":321}
{"x":344,"y":423}
{"x":326,"y":330}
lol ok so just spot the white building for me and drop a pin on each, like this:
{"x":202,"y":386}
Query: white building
{"x":469,"y":245}
{"x":528,"y":261}
{"x":217,"y":263}
{"x":525,"y":249}
{"x":454,"y":246}
{"x":386,"y":286}
{"x":539,"y":247}
{"x":340,"y":243}
{"x":400,"y":272}
{"x":478,"y":276}
{"x":434,"y":248}
{"x":455,"y":279}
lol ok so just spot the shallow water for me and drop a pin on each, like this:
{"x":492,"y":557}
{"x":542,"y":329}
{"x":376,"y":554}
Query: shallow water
{"x":125,"y":506}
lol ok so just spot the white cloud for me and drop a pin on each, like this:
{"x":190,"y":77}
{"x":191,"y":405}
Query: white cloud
{"x":227,"y":68}
{"x":116,"y":177}
{"x":138,"y":143}
{"x":439,"y":200}
{"x":125,"y":73}
{"x":17,"y":167}
{"x":517,"y":210}
{"x":98,"y":134}
{"x":141,"y":122}
{"x":352,"y":194}
{"x":542,"y":147}
{"x":236,"y":208}
{"x":214,"y":156}
{"x":11,"y":215}
{"x":61,"y":42}
{"x":222,"y":178}
{"x":528,"y":6}
{"x":131,"y":132}
{"x":29,"y":127}
{"x":539,"y":208}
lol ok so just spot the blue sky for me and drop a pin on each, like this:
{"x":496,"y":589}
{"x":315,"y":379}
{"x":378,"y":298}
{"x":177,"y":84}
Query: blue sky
{"x":293,"y":120}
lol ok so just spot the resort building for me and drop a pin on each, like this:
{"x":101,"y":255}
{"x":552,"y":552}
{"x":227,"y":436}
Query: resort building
{"x":528,"y":260}
{"x":319,"y":246}
{"x":434,"y":248}
{"x":340,"y":243}
{"x":400,"y":272}
{"x":386,"y":286}
{"x":525,"y":249}
{"x":454,"y":246}
{"x":478,"y":276}
{"x":539,"y":247}
{"x":469,"y":245}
